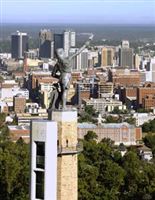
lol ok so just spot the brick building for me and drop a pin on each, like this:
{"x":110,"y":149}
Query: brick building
{"x":124,"y":77}
{"x":17,"y":132}
{"x":19,"y":104}
{"x":128,"y":95}
{"x":148,"y":102}
{"x":35,"y":76}
{"x":118,"y":132}
{"x":143,"y":92}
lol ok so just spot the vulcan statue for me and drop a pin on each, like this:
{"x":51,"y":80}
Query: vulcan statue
{"x":62,"y":70}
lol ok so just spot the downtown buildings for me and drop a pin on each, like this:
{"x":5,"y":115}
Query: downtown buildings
{"x":19,"y":44}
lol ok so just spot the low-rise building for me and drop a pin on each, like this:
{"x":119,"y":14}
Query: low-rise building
{"x":118,"y":132}
{"x":148,"y":102}
{"x":141,"y":118}
{"x":103,"y":105}
{"x":17,"y":132}
{"x":124,"y":77}
{"x":145,"y":153}
{"x":19,"y":104}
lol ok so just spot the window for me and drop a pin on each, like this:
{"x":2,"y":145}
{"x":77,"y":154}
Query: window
{"x":39,"y":185}
{"x":40,"y":157}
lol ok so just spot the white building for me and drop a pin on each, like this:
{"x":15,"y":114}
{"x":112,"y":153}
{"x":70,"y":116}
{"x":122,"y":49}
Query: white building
{"x":102,"y":105}
{"x":69,"y":40}
{"x":43,"y":160}
{"x":10,"y":92}
{"x":141,"y":118}
{"x":152,"y":69}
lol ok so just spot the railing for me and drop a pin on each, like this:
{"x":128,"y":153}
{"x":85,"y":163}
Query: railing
{"x":70,"y":149}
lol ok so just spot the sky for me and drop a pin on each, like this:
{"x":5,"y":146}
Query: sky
{"x":78,"y":11}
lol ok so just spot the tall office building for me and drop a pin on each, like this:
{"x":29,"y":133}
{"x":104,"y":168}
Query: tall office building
{"x":125,"y":44}
{"x":58,"y":41}
{"x":46,"y":44}
{"x":84,"y":59}
{"x":19,"y":44}
{"x":72,"y":38}
{"x":136,"y":61}
{"x":152,"y":69}
{"x":69,"y":41}
{"x":107,"y":56}
{"x":74,"y":60}
{"x":126,"y":55}
{"x":65,"y":40}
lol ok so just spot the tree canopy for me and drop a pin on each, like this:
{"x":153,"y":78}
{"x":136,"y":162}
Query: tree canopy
{"x":104,"y":174}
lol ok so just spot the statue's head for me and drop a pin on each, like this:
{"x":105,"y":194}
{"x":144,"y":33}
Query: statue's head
{"x":61,"y":53}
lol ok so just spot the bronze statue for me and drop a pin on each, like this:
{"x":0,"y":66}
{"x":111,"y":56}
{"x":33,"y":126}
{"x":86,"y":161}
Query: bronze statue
{"x":62,"y":70}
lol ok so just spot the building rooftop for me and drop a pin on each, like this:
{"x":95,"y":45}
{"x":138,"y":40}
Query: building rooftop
{"x":108,"y":125}
{"x":15,"y":127}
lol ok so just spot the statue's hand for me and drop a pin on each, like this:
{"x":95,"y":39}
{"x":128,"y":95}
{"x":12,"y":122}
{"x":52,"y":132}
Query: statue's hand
{"x":91,"y":37}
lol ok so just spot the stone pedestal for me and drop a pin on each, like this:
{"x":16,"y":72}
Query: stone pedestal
{"x":67,"y":175}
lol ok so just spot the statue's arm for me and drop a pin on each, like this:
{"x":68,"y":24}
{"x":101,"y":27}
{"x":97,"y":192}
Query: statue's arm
{"x":87,"y":43}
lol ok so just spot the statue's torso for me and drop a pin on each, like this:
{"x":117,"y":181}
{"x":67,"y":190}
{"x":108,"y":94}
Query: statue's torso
{"x":65,"y":65}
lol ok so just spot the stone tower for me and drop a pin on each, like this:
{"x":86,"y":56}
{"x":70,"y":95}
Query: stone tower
{"x":67,"y":175}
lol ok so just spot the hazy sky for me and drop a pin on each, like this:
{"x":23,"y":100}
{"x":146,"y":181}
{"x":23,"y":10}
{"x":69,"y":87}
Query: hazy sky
{"x":78,"y":11}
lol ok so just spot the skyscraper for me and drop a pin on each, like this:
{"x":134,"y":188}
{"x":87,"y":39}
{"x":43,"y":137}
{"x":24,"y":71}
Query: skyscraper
{"x":68,"y":40}
{"x":107,"y":55}
{"x":46,"y":44}
{"x":84,"y":59}
{"x":19,"y":44}
{"x":65,"y":40}
{"x":126,"y":55}
{"x":125,"y":44}
{"x":58,"y":41}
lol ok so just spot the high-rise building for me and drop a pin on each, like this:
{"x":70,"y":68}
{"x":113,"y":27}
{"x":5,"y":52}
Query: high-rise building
{"x":152,"y":69}
{"x":19,"y":44}
{"x":68,"y":41}
{"x":79,"y":62}
{"x":72,"y":39}
{"x":58,"y":41}
{"x":126,"y":55}
{"x":46,"y":44}
{"x":84,"y":59}
{"x":125,"y":44}
{"x":65,"y":40}
{"x":107,"y":56}
{"x":136,"y":61}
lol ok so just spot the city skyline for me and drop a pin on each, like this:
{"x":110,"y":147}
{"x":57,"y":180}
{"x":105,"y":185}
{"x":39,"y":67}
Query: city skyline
{"x":67,"y":11}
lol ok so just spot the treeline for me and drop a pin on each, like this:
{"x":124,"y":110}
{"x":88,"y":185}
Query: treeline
{"x":149,"y":127}
{"x":105,"y":175}
{"x":14,"y":170}
{"x":14,"y":166}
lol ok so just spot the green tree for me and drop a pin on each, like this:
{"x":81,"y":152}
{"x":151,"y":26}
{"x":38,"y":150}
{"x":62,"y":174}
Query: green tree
{"x":14,"y":173}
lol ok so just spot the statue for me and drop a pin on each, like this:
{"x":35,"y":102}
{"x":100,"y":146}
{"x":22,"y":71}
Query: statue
{"x":62,"y":71}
